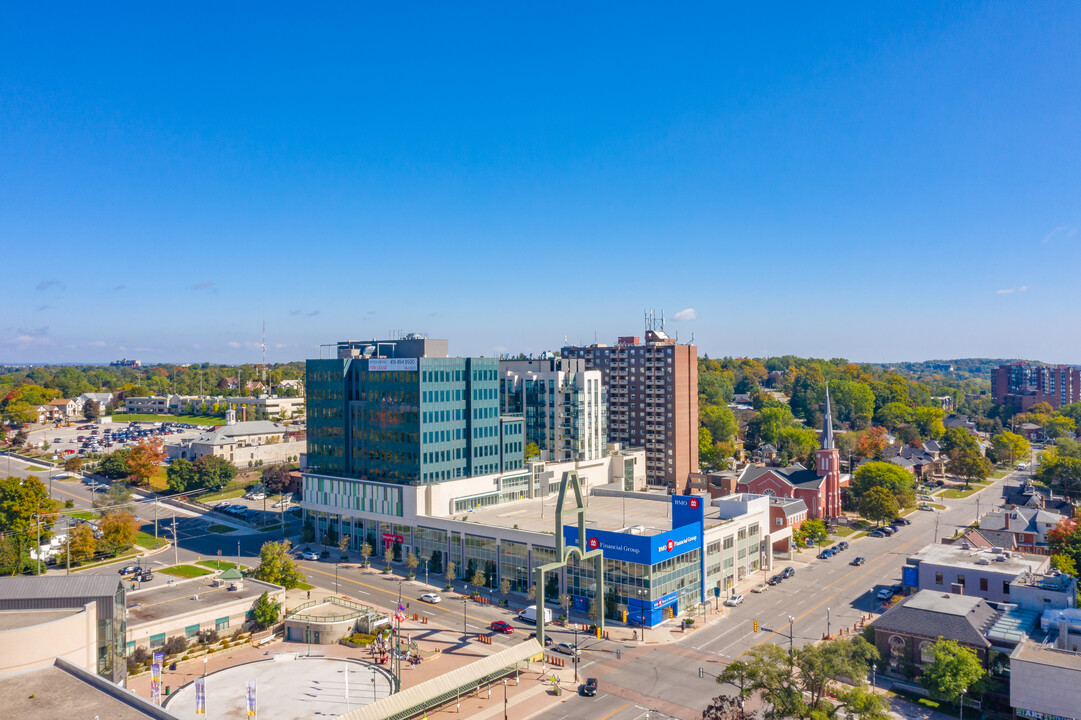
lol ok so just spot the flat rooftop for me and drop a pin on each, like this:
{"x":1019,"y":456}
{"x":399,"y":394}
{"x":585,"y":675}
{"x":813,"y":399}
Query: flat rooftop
{"x":182,"y":598}
{"x":940,"y":602}
{"x":646,"y":513}
{"x":957,"y":556}
{"x":52,"y":692}
{"x":1035,"y":651}
{"x":12,"y":619}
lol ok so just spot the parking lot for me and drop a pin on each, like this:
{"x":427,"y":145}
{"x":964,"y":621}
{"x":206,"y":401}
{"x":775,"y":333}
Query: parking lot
{"x":98,"y":437}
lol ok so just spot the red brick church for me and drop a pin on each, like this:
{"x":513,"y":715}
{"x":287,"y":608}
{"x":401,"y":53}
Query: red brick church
{"x":819,"y":489}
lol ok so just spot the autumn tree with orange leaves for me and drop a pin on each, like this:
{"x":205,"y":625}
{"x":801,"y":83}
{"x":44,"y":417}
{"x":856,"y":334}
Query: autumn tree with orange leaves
{"x":144,"y":459}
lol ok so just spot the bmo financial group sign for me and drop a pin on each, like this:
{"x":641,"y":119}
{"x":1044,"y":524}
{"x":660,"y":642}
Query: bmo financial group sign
{"x":642,"y":549}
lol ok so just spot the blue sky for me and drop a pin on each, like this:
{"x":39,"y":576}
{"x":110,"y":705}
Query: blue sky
{"x":879,"y":183}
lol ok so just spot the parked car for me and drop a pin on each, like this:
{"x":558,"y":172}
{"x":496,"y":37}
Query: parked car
{"x":431,"y":598}
{"x":885,"y":530}
{"x":926,"y":507}
{"x":876,"y":533}
{"x":843,"y":545}
{"x":897,"y":589}
{"x":776,"y":579}
{"x":590,"y":688}
{"x":144,"y":576}
{"x":858,"y":560}
{"x":284,"y":502}
{"x":309,"y":555}
{"x":567,"y":649}
{"x":256,"y":496}
{"x":760,"y":588}
{"x":884,"y":594}
{"x":736,"y":599}
{"x":788,"y":572}
{"x":501,"y":626}
{"x":901,"y":521}
{"x":825,"y":554}
{"x":129,"y":569}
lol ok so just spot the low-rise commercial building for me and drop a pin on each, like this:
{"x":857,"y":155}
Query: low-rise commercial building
{"x":81,"y":618}
{"x":961,"y":568}
{"x":243,"y":443}
{"x":186,"y":608}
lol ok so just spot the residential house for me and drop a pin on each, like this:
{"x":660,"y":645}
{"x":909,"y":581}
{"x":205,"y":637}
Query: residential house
{"x":1031,"y":432}
{"x":100,"y":399}
{"x":1028,"y":525}
{"x":765,"y":455}
{"x":1031,"y":495}
{"x":919,"y":461}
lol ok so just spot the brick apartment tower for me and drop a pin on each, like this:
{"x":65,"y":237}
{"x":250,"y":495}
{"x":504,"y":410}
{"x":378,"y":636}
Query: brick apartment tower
{"x":652,"y":400}
{"x":828,"y":465}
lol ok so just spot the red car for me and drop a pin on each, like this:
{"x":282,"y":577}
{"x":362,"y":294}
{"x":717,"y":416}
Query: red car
{"x":503,"y":627}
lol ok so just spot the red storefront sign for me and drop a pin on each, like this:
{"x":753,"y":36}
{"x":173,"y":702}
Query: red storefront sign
{"x":392,"y":538}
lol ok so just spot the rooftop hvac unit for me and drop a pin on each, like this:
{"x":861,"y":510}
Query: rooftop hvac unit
{"x":983,"y":561}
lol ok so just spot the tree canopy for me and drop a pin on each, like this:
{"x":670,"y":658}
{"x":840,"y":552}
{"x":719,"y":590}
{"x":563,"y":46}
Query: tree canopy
{"x":879,"y":505}
{"x":898,"y":481}
{"x":954,"y":670}
{"x":277,"y":566}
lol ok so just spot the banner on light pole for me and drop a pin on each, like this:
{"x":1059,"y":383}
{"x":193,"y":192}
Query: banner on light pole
{"x":250,"y":691}
{"x":200,"y":696}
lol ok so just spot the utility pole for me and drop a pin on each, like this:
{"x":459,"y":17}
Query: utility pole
{"x":37,"y":548}
{"x":791,"y":651}
{"x":155,"y":523}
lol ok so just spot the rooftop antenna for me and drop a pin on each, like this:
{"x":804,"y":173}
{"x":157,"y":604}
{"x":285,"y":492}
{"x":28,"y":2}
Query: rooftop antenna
{"x":662,"y":319}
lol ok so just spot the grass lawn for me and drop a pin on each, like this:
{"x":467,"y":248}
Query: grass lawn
{"x":35,"y":468}
{"x":224,"y":565}
{"x":305,"y":586}
{"x":185,"y":571}
{"x":82,"y":514}
{"x":956,"y":493}
{"x":189,"y":419}
{"x":841,"y":531}
{"x":222,"y":529}
{"x":146,"y":540}
{"x":227,"y":494}
{"x":158,"y":480}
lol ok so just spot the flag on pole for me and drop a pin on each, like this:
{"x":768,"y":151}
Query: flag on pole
{"x":200,"y":696}
{"x":400,"y":615}
{"x":250,"y":689}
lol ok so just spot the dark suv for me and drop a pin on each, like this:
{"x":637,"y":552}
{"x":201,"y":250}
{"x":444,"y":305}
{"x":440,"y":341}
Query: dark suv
{"x":590,"y":688}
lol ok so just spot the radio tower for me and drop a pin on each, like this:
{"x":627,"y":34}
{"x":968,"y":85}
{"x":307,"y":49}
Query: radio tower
{"x":265,"y":389}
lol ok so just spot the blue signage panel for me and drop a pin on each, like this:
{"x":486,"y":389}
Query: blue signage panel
{"x":910,"y":576}
{"x":643,"y":549}
{"x":687,"y":510}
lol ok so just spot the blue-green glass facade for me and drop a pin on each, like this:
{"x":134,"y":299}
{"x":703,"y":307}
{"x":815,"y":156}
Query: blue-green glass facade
{"x":423,"y":422}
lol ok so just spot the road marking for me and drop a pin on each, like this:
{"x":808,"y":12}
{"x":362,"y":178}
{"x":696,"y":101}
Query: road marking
{"x":881,"y":561}
{"x":621,"y":707}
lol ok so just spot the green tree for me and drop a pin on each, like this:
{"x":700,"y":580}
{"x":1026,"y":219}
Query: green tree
{"x":900,"y":482}
{"x":411,"y":562}
{"x":450,"y":572}
{"x":277,"y":566}
{"x":214,"y":472}
{"x":853,"y":402}
{"x":388,"y":556}
{"x":813,"y":530}
{"x":181,"y":475}
{"x":968,"y":464}
{"x":1056,"y":426}
{"x":478,"y":580}
{"x":366,"y":551}
{"x":265,"y":612}
{"x":20,"y":500}
{"x":504,"y":587}
{"x":954,"y":670}
{"x":1060,"y":472}
{"x":720,"y":421}
{"x":115,"y":465}
{"x":893,"y":415}
{"x":91,"y":410}
{"x":928,"y":420}
{"x":879,"y":505}
{"x":73,"y":464}
{"x":803,"y":694}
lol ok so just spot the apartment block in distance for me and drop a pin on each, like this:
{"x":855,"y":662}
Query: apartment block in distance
{"x":652,"y":399}
{"x":563,"y":404}
{"x":1022,"y":385}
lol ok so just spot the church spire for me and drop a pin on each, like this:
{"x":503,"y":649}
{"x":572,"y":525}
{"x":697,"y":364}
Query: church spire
{"x":827,"y":424}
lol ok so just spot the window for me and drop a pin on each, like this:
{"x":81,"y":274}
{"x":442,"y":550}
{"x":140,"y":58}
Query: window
{"x":961,"y":580}
{"x":221,"y":624}
{"x":1005,"y":587}
{"x":938,"y":578}
{"x":156,"y":641}
{"x":191,"y":631}
{"x":927,"y":652}
{"x":983,"y":584}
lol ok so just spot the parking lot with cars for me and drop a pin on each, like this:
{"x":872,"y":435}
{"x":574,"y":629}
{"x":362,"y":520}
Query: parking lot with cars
{"x":105,"y":437}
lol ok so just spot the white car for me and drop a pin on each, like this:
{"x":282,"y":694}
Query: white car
{"x":431,"y":598}
{"x":256,"y":496}
{"x":282,"y":503}
{"x":760,"y":588}
{"x":309,"y":555}
{"x":734,"y":600}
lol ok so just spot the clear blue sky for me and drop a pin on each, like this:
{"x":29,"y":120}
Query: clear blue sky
{"x":878,"y":181}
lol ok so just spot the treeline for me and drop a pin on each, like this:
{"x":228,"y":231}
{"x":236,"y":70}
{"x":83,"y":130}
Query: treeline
{"x":21,"y":389}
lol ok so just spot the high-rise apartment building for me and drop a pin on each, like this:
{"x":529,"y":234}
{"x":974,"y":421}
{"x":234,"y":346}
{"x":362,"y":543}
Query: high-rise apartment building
{"x":402,"y":411}
{"x":1022,"y":385}
{"x":563,"y":405}
{"x":652,"y":400}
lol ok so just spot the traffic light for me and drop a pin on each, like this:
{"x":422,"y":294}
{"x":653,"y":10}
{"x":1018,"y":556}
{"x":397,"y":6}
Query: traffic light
{"x":755,"y":626}
{"x":701,"y":672}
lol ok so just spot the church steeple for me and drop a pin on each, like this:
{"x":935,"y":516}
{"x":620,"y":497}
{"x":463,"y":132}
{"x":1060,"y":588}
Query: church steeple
{"x":827,"y":424}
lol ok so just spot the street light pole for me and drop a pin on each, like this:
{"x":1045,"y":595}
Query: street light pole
{"x":963,"y":691}
{"x":504,"y":698}
{"x":827,"y":623}
{"x":36,"y":519}
{"x":576,"y":652}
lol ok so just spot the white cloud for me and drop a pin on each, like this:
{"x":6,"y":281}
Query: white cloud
{"x":1063,"y":230}
{"x":96,"y":343}
{"x":688,"y":314}
{"x":233,"y":344}
{"x":1008,"y":291}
